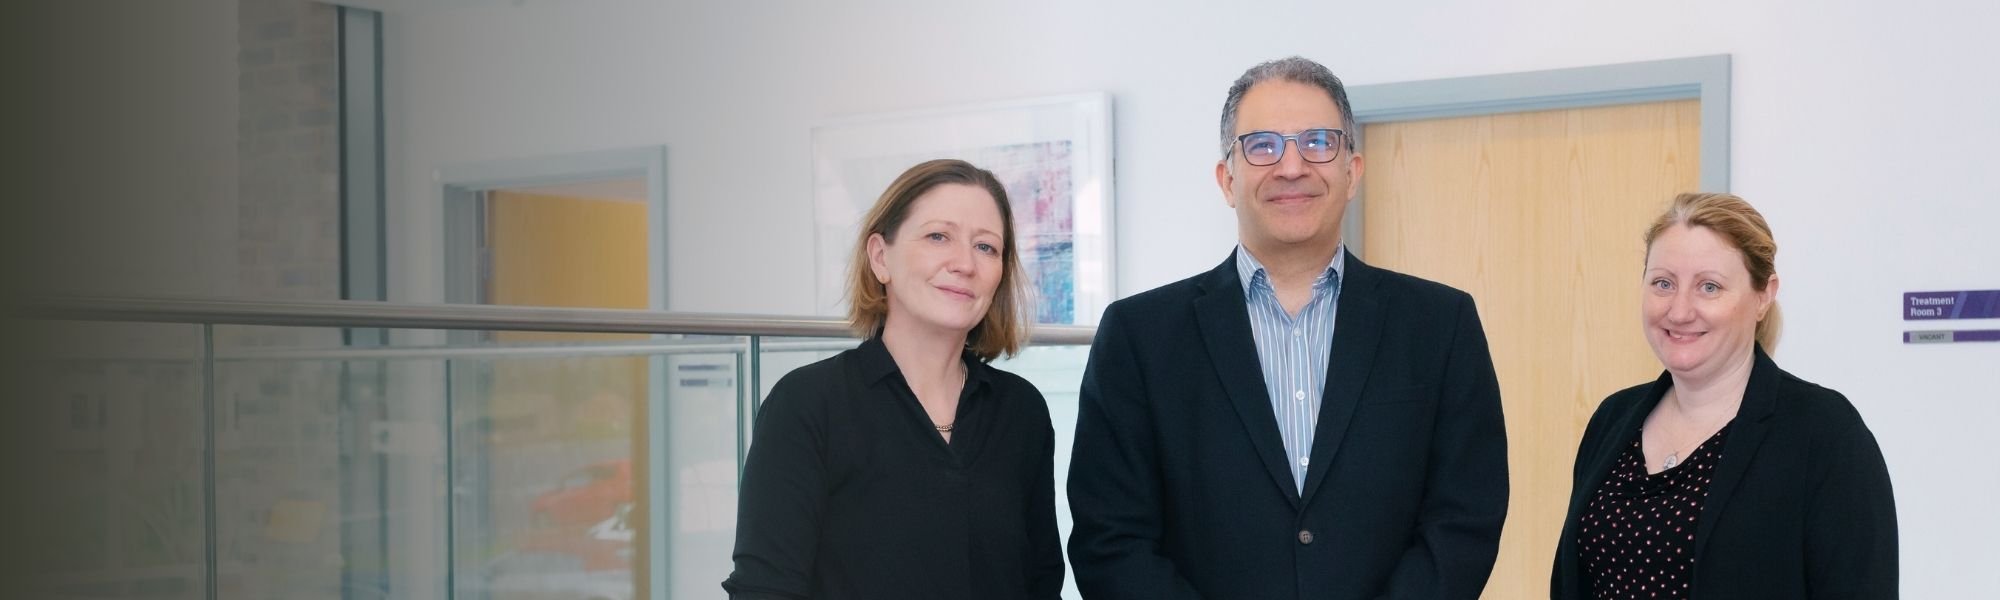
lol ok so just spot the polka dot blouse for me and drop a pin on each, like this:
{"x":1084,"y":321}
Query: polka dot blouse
{"x":1636,"y":538}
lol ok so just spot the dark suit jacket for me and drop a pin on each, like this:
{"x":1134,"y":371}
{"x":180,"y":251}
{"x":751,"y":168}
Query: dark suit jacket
{"x":1179,"y":485}
{"x":1800,"y":505}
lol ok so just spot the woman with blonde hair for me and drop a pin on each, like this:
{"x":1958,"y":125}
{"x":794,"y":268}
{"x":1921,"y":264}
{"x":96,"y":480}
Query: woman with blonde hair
{"x":1726,"y":477}
{"x":908,"y":467}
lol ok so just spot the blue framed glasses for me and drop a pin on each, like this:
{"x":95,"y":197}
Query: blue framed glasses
{"x":1265,"y":148}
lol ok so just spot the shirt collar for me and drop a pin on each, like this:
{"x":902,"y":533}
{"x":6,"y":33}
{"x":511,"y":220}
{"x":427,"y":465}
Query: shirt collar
{"x":1249,"y":271}
{"x":876,"y":363}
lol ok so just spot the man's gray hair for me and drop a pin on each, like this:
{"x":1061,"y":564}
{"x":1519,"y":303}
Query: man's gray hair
{"x":1295,"y":69}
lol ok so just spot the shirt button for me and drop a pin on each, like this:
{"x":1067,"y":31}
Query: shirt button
{"x":1305,"y":537}
{"x":1297,"y":333}
{"x":1305,"y":461}
{"x":1299,"y":395}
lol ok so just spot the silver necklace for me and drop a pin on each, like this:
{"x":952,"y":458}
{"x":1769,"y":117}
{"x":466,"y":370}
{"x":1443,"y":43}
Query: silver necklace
{"x":1674,"y":458}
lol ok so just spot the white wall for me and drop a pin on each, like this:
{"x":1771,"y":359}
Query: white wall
{"x":126,"y":115}
{"x":130,"y":176}
{"x":1863,"y":130}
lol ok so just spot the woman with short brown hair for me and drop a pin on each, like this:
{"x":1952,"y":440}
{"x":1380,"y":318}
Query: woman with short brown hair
{"x":908,"y":467}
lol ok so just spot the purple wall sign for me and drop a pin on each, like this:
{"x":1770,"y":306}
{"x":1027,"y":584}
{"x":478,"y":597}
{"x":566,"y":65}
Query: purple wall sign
{"x":1975,"y":304}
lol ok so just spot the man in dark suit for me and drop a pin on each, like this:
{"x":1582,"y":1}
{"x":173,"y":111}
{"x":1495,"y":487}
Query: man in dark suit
{"x":1294,"y":423}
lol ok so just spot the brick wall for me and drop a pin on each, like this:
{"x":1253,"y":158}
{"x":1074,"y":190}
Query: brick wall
{"x":288,"y":147}
{"x":278,"y":458}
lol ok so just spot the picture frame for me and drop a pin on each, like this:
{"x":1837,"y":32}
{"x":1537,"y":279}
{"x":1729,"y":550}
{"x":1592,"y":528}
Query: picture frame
{"x":1053,"y":155}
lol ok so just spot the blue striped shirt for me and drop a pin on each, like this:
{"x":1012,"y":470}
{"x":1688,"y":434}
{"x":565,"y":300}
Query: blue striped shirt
{"x":1292,"y":351}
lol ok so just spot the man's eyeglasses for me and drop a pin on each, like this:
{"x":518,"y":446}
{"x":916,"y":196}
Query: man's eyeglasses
{"x":1264,"y":148}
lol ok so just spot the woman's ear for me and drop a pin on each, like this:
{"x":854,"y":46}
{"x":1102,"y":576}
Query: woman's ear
{"x":1770,"y":297}
{"x":878,"y":249}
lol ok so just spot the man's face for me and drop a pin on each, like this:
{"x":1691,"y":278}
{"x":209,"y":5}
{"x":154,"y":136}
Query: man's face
{"x":1293,"y":202}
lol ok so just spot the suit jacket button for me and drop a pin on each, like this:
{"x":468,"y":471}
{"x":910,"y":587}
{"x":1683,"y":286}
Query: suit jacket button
{"x":1305,"y":537}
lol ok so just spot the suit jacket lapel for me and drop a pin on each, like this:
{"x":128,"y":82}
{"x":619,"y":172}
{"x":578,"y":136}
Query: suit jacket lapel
{"x":1357,"y":331}
{"x":1225,"y":332}
{"x":1746,"y":433}
{"x":1616,"y":438}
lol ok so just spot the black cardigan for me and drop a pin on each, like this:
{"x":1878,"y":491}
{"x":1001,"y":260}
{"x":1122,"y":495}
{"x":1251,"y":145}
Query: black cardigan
{"x":850,"y":493}
{"x":1800,"y":506}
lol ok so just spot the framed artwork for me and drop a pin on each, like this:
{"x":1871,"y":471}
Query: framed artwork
{"x":1052,"y":154}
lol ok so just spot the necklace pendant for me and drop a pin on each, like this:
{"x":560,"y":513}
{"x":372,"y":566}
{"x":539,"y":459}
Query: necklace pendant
{"x":1672,"y":459}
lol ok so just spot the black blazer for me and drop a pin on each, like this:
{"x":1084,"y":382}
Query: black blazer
{"x":1800,"y":506}
{"x":1179,"y":486}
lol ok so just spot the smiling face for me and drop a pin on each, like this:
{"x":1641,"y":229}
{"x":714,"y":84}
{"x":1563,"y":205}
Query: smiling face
{"x":1701,"y":306}
{"x":942,"y":266}
{"x":1293,"y":202}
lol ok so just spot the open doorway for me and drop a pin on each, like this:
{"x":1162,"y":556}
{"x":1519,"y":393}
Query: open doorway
{"x":553,"y":445}
{"x":578,"y":245}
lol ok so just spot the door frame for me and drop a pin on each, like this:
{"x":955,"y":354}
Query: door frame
{"x":1705,"y":78}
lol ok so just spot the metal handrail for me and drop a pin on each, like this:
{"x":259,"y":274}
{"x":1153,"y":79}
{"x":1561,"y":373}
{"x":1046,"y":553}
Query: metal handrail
{"x":362,"y":314}
{"x":600,"y":349}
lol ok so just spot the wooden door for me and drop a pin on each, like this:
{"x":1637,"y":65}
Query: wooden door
{"x":1539,"y":216}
